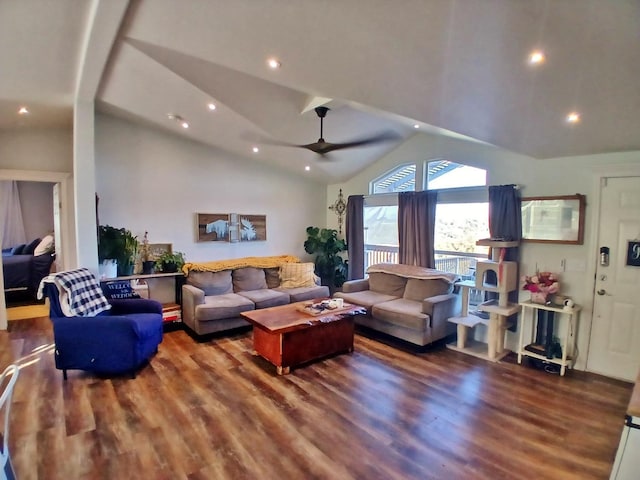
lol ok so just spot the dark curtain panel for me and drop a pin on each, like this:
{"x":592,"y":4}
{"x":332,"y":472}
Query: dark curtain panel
{"x":355,"y":236}
{"x":505,"y":222}
{"x":416,"y":226}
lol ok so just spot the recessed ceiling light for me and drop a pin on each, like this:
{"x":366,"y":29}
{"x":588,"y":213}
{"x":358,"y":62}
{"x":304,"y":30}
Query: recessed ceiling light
{"x":307,"y":168}
{"x":573,"y":117}
{"x":274,"y":63}
{"x":23,"y":111}
{"x":212,"y":106}
{"x":256,"y":149}
{"x":184,"y":124}
{"x":536,"y":57}
{"x":415,"y":125}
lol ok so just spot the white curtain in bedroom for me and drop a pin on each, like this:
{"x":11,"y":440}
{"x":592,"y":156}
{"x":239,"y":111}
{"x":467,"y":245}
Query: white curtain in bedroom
{"x":11,"y":214}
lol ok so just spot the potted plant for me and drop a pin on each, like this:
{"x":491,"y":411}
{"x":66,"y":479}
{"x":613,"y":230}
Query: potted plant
{"x":327,"y":247}
{"x":117,"y":246}
{"x":170,"y":262}
{"x":148,"y":263}
{"x":127,"y":260}
{"x":109,"y":247}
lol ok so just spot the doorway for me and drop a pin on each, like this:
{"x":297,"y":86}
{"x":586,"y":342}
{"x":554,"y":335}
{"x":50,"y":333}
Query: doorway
{"x":614,"y":346}
{"x":62,"y":223}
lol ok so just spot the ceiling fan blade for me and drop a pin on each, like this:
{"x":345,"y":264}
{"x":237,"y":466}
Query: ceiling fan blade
{"x":321,"y":147}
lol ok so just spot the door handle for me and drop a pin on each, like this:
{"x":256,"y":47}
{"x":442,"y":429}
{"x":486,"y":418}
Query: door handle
{"x":602,"y":292}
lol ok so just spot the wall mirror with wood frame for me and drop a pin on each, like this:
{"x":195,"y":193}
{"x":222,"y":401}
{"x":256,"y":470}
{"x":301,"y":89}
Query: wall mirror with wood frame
{"x":557,"y":219}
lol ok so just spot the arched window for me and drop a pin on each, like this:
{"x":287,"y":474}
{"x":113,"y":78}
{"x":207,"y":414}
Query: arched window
{"x":447,"y":174}
{"x":400,"y":179}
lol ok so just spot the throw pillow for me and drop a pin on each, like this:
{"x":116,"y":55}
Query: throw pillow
{"x":297,"y":275}
{"x":28,"y":250}
{"x":45,"y":246}
{"x":211,"y":283}
{"x":248,"y":278}
{"x":118,"y":289}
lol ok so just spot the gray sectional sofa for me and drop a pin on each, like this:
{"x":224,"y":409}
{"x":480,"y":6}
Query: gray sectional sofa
{"x":212,"y":301}
{"x":408,"y":302}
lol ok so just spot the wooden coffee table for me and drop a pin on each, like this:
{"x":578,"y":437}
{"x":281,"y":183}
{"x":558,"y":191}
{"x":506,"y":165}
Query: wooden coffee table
{"x":286,"y":336}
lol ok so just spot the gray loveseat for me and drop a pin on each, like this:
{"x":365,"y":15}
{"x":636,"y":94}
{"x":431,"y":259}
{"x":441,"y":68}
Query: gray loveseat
{"x":408,"y":302}
{"x":212,"y":301}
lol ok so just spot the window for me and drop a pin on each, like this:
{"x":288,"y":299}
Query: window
{"x":380,"y":229}
{"x":400,"y":179}
{"x":462,"y":215}
{"x":446,"y":174}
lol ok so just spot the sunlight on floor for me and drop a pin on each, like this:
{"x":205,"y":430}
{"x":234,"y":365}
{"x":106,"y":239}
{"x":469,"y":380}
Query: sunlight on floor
{"x":27,"y":311}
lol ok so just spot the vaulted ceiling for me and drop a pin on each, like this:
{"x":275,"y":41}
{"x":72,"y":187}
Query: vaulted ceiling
{"x":452,"y":67}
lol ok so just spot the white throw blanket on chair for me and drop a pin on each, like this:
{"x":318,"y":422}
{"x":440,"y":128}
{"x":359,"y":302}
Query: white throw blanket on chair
{"x":80,"y":293}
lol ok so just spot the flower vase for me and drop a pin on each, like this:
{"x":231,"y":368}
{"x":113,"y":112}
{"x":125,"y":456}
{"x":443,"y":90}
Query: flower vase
{"x":539,"y":297}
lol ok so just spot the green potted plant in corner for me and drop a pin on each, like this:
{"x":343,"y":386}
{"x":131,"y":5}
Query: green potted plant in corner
{"x":109,"y":248}
{"x":170,"y":262}
{"x":327,"y":247}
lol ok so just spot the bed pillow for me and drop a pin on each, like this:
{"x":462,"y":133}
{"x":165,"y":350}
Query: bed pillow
{"x":45,"y":246}
{"x":18,"y":249}
{"x":118,"y":289}
{"x":28,"y":250}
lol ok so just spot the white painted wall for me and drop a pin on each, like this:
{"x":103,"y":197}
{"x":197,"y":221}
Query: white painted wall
{"x":48,"y":150}
{"x":154,"y":181}
{"x":36,"y":202}
{"x":558,"y":176}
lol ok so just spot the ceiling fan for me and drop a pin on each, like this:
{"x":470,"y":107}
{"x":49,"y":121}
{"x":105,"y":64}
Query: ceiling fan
{"x":322,"y":147}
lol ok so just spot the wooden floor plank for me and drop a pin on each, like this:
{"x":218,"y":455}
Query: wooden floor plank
{"x":215,"y":410}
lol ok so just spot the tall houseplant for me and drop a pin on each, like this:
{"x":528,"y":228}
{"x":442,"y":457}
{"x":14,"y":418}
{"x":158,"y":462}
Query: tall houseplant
{"x":117,"y":244}
{"x":327,"y":247}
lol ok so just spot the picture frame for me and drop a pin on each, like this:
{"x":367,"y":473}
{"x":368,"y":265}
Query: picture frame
{"x":212,"y":227}
{"x":553,"y":219}
{"x":252,"y":228}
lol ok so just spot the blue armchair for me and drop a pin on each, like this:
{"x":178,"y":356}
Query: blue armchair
{"x":115,"y":341}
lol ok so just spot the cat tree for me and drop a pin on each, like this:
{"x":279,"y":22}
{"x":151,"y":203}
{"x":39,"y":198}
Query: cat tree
{"x":494,"y":275}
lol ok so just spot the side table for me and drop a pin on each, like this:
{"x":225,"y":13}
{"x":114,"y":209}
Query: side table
{"x":570,"y":317}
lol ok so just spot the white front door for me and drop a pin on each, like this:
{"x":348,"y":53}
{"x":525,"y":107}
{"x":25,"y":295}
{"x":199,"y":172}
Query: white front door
{"x":614,"y":348}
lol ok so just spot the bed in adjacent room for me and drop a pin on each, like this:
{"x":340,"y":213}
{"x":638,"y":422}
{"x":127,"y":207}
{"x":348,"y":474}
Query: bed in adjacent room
{"x":25,"y":265}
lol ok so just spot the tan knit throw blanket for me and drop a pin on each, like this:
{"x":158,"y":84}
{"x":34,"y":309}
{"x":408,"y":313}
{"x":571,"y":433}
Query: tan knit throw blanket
{"x":412,"y":271}
{"x":257,"y":262}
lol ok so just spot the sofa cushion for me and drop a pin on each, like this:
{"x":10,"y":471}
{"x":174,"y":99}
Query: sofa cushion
{"x":212,"y":283}
{"x":266,"y":298}
{"x":272,"y":276}
{"x":295,"y":275}
{"x":218,"y":307}
{"x":365,"y":299}
{"x":387,"y":283}
{"x":418,"y":289}
{"x":407,"y":313}
{"x":305,"y":293}
{"x":248,"y":278}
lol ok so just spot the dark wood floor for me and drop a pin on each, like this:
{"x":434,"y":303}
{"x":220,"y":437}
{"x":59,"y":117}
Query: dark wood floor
{"x":213,"y":411}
